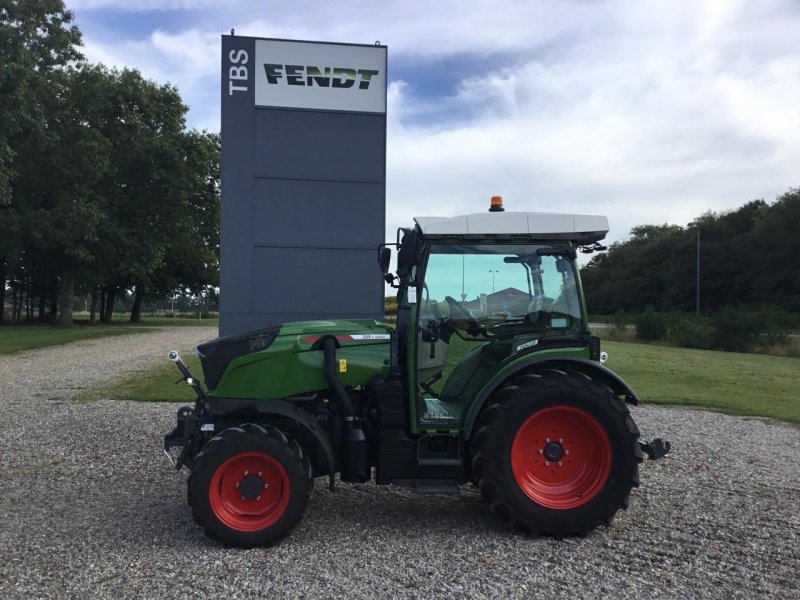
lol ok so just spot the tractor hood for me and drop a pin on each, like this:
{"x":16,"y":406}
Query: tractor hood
{"x":280,"y":341}
{"x":344,"y":331}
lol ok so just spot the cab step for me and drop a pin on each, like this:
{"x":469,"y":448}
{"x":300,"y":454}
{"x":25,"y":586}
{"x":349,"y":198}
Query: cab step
{"x":437,"y":487}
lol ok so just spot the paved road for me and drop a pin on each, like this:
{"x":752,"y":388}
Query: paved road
{"x":89,"y":507}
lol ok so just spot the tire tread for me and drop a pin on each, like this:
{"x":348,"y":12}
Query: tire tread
{"x":492,"y":416}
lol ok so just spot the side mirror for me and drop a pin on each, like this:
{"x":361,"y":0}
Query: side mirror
{"x":384,"y":258}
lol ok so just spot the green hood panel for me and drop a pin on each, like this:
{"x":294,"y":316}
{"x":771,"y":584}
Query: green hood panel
{"x":290,"y":366}
{"x":334,"y":327}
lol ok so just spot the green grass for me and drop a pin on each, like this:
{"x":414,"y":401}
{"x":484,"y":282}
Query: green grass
{"x":16,"y":338}
{"x":119,"y":318}
{"x":190,"y":322}
{"x":28,"y":336}
{"x":154,"y":385}
{"x":733,"y":383}
{"x":740,"y":384}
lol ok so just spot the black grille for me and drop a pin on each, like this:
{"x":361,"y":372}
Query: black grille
{"x":217,"y":354}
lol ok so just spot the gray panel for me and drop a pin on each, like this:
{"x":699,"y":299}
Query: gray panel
{"x":235,"y":322}
{"x":236,"y":237}
{"x":318,"y":214}
{"x":304,"y":281}
{"x":298,"y":144}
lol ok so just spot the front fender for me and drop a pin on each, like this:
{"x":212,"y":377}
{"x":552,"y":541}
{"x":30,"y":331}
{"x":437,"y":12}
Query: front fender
{"x":297,"y":421}
{"x":581,"y":365}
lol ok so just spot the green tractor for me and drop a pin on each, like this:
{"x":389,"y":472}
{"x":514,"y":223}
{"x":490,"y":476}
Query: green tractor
{"x":502,"y":388}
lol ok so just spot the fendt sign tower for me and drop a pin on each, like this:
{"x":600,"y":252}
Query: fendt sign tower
{"x":303,"y":181}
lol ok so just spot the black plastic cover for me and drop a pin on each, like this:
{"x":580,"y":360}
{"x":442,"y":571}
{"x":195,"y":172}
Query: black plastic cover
{"x":407,"y":254}
{"x":594,"y":348}
{"x":217,"y":354}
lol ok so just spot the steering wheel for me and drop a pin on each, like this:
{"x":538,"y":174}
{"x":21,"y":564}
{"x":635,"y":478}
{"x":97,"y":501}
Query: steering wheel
{"x":457,"y":311}
{"x":457,"y":307}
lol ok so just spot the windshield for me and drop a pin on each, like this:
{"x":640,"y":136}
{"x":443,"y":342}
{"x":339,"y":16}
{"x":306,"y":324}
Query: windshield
{"x":495,"y":283}
{"x":482,"y":304}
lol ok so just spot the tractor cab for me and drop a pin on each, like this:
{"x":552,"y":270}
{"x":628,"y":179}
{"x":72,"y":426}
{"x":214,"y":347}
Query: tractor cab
{"x":477,"y":293}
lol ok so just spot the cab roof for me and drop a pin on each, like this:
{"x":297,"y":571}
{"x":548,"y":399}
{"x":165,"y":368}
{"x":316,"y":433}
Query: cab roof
{"x":582,"y":229}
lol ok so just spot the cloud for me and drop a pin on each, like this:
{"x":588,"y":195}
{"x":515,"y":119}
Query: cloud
{"x":653,"y":123}
{"x":188,"y":59}
{"x":141,"y":5}
{"x":182,"y":58}
{"x":647,"y":112}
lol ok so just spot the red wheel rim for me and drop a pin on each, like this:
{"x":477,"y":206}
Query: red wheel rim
{"x":249,"y":513}
{"x":561,"y":457}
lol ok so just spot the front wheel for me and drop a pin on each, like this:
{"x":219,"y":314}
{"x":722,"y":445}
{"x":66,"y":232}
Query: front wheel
{"x":250,"y":486}
{"x":556,"y":453}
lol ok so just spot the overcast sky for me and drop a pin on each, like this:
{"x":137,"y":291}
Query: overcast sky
{"x":648,"y":112}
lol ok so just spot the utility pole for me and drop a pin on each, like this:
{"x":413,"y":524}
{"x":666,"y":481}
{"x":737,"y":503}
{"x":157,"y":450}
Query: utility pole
{"x":463,"y":293}
{"x":493,"y":272}
{"x":698,"y":272}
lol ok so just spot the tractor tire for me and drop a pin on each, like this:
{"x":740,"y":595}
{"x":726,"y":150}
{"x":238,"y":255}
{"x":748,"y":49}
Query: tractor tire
{"x":250,"y":486}
{"x":556,"y":453}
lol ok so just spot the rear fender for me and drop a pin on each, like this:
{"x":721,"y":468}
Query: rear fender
{"x":580,"y":365}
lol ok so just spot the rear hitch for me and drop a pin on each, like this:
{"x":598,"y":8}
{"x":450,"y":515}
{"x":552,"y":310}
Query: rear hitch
{"x":656,"y":449}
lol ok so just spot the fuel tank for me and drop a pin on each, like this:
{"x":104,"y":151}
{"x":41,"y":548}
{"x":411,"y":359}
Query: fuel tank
{"x":287,"y":360}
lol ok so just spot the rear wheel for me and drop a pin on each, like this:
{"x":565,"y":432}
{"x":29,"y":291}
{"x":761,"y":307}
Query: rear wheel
{"x":556,"y":453}
{"x":250,"y":486}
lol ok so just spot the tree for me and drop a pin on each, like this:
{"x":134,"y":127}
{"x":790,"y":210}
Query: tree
{"x":748,"y":256}
{"x":101,"y":188}
{"x":191,"y":252}
{"x":36,"y":43}
{"x":64,"y":206}
{"x":635,"y":273}
{"x":724,"y":251}
{"x":159,"y":228}
{"x":774,"y":253}
{"x":145,"y":129}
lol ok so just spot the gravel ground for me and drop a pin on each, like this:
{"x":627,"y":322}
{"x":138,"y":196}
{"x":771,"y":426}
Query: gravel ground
{"x":89,"y":507}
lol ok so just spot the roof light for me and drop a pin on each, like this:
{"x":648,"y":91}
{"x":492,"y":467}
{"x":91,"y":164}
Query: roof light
{"x":496,"y":204}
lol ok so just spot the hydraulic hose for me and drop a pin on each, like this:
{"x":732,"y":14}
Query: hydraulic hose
{"x":339,"y":393}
